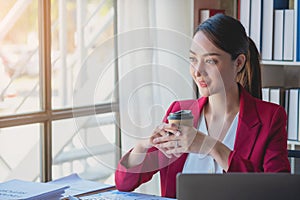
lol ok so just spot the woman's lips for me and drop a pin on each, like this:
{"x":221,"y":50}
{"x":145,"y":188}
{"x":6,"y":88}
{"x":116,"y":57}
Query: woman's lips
{"x":202,"y":83}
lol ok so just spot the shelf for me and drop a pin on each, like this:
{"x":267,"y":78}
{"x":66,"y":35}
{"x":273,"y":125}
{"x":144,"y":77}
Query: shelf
{"x":275,"y":62}
{"x":294,"y":142}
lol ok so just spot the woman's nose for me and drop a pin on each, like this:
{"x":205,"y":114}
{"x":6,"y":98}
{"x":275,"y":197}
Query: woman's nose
{"x":196,"y":72}
{"x":198,"y":69}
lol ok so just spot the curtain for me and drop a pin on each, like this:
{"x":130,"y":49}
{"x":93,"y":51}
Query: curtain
{"x":154,"y":37}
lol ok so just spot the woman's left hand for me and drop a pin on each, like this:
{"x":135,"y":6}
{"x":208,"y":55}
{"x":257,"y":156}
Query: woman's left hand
{"x":185,"y":139}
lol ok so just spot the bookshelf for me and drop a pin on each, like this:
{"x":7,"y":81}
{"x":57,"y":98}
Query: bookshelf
{"x":294,"y":145}
{"x":284,"y":72}
{"x":281,"y":63}
{"x":230,"y":7}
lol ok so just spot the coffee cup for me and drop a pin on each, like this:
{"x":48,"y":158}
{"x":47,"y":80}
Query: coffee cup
{"x":181,"y":117}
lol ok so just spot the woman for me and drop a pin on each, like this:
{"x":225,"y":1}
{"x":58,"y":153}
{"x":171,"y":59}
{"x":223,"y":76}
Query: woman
{"x":234,"y":131}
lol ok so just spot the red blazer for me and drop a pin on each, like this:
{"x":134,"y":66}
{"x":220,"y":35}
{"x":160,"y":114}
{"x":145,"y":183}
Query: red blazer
{"x":260,"y":146}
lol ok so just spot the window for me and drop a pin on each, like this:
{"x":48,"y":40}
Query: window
{"x":51,"y":52}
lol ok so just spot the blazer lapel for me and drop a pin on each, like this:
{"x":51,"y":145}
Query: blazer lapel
{"x":248,"y":125}
{"x":197,"y":108}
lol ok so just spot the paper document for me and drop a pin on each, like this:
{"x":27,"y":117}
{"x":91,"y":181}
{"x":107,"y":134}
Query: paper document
{"x":26,"y":190}
{"x":115,"y":194}
{"x":79,"y":185}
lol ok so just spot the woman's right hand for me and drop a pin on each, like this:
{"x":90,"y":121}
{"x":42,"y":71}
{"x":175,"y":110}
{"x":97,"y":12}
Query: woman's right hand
{"x":138,"y":153}
{"x":157,"y":132}
{"x":160,"y":132}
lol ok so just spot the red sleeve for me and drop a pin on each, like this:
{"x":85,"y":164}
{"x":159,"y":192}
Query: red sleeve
{"x":275,"y":157}
{"x":128,"y":179}
{"x":238,"y":164}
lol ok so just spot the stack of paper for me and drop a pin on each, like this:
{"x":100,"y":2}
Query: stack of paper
{"x":79,"y":185}
{"x":18,"y":189}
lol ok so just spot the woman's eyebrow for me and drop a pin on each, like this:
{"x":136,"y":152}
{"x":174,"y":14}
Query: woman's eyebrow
{"x":192,"y":52}
{"x":206,"y":54}
{"x":211,"y":54}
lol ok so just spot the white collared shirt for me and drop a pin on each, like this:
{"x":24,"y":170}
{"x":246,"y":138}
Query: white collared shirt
{"x":200,"y":163}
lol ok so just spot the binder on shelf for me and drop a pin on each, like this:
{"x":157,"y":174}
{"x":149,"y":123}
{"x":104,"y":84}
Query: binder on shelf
{"x":298,"y":32}
{"x":255,"y":22}
{"x":293,"y":114}
{"x":267,"y":25}
{"x":278,"y":34}
{"x":277,"y":96}
{"x":288,"y":35}
{"x":204,"y":14}
{"x":297,"y":166}
{"x":286,"y":100}
{"x":267,"y":30}
{"x":298,"y":116}
{"x":281,"y":4}
{"x":244,"y":14}
{"x":266,"y":94}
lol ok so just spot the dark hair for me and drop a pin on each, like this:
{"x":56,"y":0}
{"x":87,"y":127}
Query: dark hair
{"x":229,"y":35}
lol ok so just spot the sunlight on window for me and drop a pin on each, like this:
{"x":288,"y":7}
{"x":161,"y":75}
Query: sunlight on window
{"x":87,"y":148}
{"x":19,"y":147}
{"x":81,"y":40}
{"x":19,"y":62}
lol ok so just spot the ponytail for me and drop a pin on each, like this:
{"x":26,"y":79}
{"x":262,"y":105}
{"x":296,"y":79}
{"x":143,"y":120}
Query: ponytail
{"x":250,"y":76}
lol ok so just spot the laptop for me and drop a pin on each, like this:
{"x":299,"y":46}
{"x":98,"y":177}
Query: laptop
{"x":242,"y":186}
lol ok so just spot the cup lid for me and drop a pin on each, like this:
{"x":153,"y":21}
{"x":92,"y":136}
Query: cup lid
{"x":181,"y":114}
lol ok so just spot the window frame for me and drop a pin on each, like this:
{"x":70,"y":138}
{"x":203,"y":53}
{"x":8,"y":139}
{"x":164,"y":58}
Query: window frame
{"x":47,"y":115}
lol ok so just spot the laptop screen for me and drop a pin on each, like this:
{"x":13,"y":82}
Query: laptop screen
{"x":258,"y":186}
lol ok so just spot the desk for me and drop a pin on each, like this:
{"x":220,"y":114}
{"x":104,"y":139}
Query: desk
{"x":110,"y":194}
{"x":84,"y":189}
{"x":95,"y":192}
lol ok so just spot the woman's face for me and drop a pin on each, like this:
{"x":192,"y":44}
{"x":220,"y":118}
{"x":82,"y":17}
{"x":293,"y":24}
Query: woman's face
{"x":211,"y":68}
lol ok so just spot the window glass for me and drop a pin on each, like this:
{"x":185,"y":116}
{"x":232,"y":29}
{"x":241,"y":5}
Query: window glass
{"x":20,"y":153}
{"x":85,"y":145}
{"x":82,"y":49}
{"x":19,"y":61}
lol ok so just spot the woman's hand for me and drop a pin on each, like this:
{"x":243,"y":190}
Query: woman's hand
{"x":184,"y":140}
{"x":138,"y":153}
{"x":162,"y":133}
{"x":157,"y":132}
{"x":173,"y":140}
{"x":187,"y":139}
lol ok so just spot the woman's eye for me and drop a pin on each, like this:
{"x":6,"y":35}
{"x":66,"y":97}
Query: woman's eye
{"x":211,"y":61}
{"x":193,"y":60}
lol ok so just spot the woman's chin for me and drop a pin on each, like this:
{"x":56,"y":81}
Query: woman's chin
{"x":204,"y":92}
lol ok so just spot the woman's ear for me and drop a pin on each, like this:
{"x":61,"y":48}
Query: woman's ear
{"x":239,"y":62}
